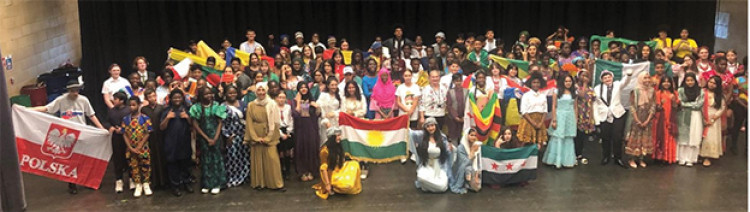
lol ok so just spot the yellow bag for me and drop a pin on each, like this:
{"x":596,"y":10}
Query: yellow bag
{"x":346,"y":179}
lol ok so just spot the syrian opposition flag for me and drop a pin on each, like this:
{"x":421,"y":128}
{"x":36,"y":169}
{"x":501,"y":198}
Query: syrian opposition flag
{"x":61,"y":149}
{"x":377,"y":141}
{"x":506,"y":166}
{"x":619,"y":71}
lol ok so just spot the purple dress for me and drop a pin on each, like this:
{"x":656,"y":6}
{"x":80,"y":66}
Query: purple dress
{"x":307,"y":145}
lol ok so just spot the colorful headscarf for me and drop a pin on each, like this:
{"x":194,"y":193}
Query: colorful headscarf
{"x":384,"y":92}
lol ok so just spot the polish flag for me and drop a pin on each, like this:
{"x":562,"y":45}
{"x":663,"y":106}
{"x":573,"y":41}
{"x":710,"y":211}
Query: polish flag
{"x":61,"y":149}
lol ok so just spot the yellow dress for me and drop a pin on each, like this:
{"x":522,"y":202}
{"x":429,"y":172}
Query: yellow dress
{"x":343,"y":180}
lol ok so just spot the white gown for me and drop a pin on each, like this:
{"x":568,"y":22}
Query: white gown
{"x":431,"y":177}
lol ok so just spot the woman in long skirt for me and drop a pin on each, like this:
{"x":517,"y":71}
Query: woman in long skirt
{"x":305,"y":113}
{"x":233,"y":129}
{"x":713,"y":108}
{"x":561,"y":149}
{"x":690,"y":121}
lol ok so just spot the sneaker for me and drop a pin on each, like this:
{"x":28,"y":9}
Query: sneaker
{"x":132,"y":184}
{"x":204,"y":190}
{"x":138,"y":190}
{"x":215,"y":191}
{"x":689,"y":164}
{"x":118,"y":186}
{"x":364,"y":174}
{"x":147,"y":189}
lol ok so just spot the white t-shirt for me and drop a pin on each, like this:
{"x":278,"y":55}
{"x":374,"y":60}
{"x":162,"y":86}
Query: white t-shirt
{"x":75,"y":110}
{"x":409,"y":95}
{"x":433,"y":101}
{"x":249,"y":48}
{"x":447,"y":80}
{"x":112,"y":86}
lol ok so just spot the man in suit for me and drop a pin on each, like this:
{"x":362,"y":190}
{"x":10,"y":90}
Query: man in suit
{"x":397,"y":43}
{"x":140,"y":64}
{"x":610,"y":116}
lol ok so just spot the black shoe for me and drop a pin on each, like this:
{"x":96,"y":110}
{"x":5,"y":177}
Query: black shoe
{"x":619,"y":162}
{"x":72,"y":188}
{"x":188,"y":188}
{"x":176,"y":192}
{"x":605,"y":161}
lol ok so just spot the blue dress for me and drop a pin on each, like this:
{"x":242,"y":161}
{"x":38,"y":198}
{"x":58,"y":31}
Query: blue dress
{"x":238,"y":154}
{"x":561,"y":148}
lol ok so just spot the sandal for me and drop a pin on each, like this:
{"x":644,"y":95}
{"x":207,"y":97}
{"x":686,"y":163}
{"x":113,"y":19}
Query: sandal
{"x":632,"y":164}
{"x":643,"y":164}
{"x":706,"y":162}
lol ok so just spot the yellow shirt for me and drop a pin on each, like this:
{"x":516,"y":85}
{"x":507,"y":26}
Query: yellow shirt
{"x":682,"y":49}
{"x":661,"y":44}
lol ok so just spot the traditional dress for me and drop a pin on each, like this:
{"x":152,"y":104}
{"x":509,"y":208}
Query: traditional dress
{"x":690,"y":123}
{"x":455,"y":103}
{"x":712,"y":146}
{"x":348,"y":174}
{"x":329,"y":107}
{"x":177,"y":149}
{"x":535,"y":105}
{"x":306,"y":133}
{"x":585,"y":117}
{"x":140,"y":164}
{"x":265,"y":167}
{"x":213,"y":174}
{"x":238,"y":155}
{"x":467,"y":169}
{"x":561,"y":148}
{"x":383,"y":96}
{"x":665,"y":128}
{"x":639,"y":141}
{"x":432,"y":175}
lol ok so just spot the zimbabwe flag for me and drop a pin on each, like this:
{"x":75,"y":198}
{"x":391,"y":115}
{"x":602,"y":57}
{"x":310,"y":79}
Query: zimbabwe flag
{"x":487,"y":120}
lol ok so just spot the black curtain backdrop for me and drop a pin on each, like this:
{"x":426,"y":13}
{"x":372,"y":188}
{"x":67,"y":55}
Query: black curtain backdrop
{"x":118,"y":31}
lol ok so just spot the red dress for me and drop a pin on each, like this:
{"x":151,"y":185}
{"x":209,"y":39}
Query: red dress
{"x":664,"y":127}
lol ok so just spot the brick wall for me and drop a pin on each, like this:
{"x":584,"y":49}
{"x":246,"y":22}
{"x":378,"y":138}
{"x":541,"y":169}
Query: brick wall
{"x":40,"y":35}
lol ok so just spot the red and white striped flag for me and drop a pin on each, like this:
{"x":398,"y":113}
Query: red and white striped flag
{"x":61,"y":149}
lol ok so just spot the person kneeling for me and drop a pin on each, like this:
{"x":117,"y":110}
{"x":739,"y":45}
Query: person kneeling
{"x":433,"y":158}
{"x":467,"y":170}
{"x":336,"y":174}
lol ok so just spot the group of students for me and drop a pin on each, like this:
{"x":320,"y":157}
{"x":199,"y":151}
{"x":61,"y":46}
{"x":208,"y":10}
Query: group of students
{"x":283,"y":107}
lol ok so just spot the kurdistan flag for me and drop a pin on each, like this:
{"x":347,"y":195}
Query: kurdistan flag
{"x":378,"y":141}
{"x":506,"y":166}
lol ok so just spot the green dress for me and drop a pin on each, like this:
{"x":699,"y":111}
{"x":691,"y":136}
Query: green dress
{"x":211,"y":160}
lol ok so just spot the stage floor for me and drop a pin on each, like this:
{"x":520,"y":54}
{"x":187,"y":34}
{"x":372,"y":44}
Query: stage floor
{"x":390,"y":187}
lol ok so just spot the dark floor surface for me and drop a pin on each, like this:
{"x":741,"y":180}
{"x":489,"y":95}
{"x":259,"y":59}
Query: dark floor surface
{"x":390,"y":187}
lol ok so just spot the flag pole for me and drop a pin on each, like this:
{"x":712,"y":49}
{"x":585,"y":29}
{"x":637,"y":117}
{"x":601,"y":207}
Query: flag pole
{"x":12,"y":197}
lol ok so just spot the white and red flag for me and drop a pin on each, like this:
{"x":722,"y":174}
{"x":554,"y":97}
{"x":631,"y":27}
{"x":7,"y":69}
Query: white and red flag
{"x":61,"y":149}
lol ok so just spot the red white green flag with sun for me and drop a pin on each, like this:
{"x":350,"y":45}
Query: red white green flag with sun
{"x":506,"y":166}
{"x":378,"y":141}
